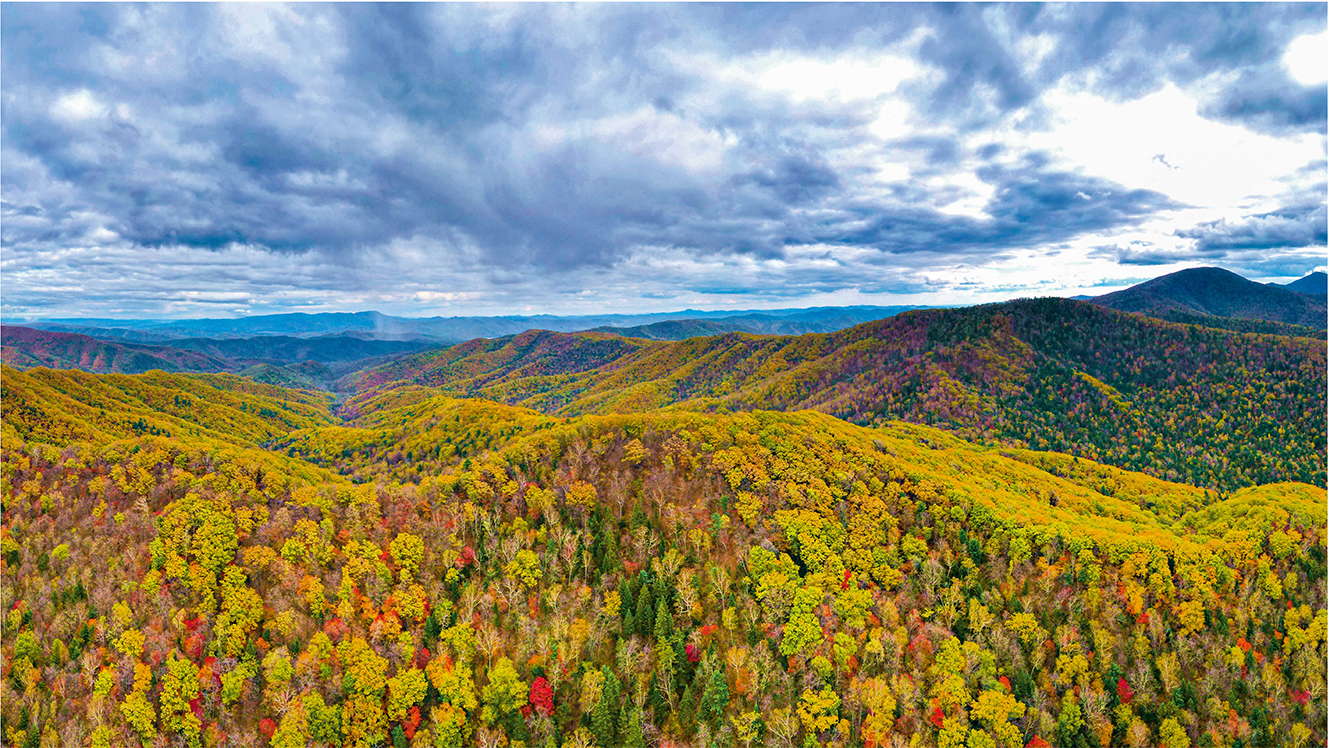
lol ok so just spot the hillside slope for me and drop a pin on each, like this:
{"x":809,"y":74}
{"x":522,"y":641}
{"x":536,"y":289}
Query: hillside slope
{"x":68,"y":407}
{"x":24,"y":348}
{"x":673,"y":577}
{"x":1219,"y":293}
{"x":284,"y":349}
{"x":826,"y":319}
{"x":1314,"y":284}
{"x":1047,"y":373}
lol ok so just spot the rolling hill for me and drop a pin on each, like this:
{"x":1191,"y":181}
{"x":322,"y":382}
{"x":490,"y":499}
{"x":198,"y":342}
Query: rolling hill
{"x":823,"y":320}
{"x":68,"y":407}
{"x":24,"y":348}
{"x":301,"y":362}
{"x":1218,"y":293}
{"x":455,"y":572}
{"x":678,"y":329}
{"x":1047,"y":373}
{"x":284,"y":349}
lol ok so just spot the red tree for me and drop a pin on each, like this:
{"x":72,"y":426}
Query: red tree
{"x":541,"y":697}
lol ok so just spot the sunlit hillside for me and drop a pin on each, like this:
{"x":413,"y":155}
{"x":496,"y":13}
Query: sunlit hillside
{"x":451,"y":572}
{"x":1208,"y":407}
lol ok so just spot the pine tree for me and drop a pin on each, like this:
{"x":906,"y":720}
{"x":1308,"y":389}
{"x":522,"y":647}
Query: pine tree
{"x":610,"y":560}
{"x":688,"y":709}
{"x":632,"y":733}
{"x":643,"y":615}
{"x":664,"y":622}
{"x":716,"y":697}
{"x":602,"y":724}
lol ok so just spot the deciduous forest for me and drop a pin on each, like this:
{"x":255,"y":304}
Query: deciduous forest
{"x":203,"y":560}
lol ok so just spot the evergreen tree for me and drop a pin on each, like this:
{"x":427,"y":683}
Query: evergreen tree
{"x":664,"y":622}
{"x":602,"y":724}
{"x":643,"y":615}
{"x":632,"y":733}
{"x":716,"y":697}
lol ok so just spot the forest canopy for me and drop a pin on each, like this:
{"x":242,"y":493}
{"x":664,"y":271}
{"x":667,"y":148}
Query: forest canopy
{"x":437,"y":571}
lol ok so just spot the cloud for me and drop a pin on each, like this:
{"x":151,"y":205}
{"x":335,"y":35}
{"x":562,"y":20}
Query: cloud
{"x":1292,"y":227}
{"x":476,"y":155}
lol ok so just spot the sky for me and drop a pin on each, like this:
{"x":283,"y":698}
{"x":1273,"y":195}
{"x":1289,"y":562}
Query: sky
{"x":191,"y":160}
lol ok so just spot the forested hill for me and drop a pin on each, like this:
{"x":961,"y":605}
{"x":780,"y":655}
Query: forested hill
{"x":1314,"y":284}
{"x":1219,"y":293}
{"x":1200,"y":405}
{"x":490,"y":576}
{"x":68,"y":407}
{"x":24,"y":348}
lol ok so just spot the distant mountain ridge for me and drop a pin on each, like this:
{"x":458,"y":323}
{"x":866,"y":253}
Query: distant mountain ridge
{"x":25,"y":348}
{"x":1218,"y":293}
{"x":819,"y":321}
{"x":453,"y":329}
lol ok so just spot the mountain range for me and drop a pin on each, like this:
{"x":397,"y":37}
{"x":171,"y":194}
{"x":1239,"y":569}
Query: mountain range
{"x":318,"y":350}
{"x":451,"y":329}
{"x":1313,"y":284}
{"x":197,"y":556}
{"x":25,"y":347}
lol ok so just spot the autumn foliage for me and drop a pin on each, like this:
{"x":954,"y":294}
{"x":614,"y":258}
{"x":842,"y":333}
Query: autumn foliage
{"x":439,"y":572}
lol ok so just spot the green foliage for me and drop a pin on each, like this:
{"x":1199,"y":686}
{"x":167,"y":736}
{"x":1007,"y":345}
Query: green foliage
{"x":179,"y":687}
{"x":803,"y":629}
{"x":525,"y":568}
{"x":716,"y":697}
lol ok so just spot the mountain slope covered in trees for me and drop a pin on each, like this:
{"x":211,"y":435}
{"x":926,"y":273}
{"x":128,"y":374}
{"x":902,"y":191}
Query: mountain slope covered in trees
{"x":1219,"y":293}
{"x":65,"y":407}
{"x":25,"y":348}
{"x":1313,"y":284}
{"x":673,"y":577}
{"x":1199,"y":405}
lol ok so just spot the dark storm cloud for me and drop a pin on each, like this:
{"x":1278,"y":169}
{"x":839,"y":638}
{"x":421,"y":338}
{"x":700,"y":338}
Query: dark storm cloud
{"x":530,"y":141}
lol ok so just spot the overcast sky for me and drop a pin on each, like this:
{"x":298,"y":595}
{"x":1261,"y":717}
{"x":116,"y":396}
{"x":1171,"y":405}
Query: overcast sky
{"x":216,"y":160}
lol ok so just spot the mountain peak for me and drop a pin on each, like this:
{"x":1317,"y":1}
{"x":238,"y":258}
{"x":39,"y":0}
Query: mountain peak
{"x":1219,"y":293}
{"x":1313,"y":284}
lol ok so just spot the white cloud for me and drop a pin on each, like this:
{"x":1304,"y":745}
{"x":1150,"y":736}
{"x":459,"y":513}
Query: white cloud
{"x":78,"y":106}
{"x":525,"y":155}
{"x":845,"y":78}
{"x":1306,"y":60}
{"x":1218,"y":165}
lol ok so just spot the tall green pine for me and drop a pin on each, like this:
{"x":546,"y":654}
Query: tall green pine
{"x":602,"y":723}
{"x":610,"y":560}
{"x":643,"y":614}
{"x":664,"y":622}
{"x":632,"y":733}
{"x":716,"y":697}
